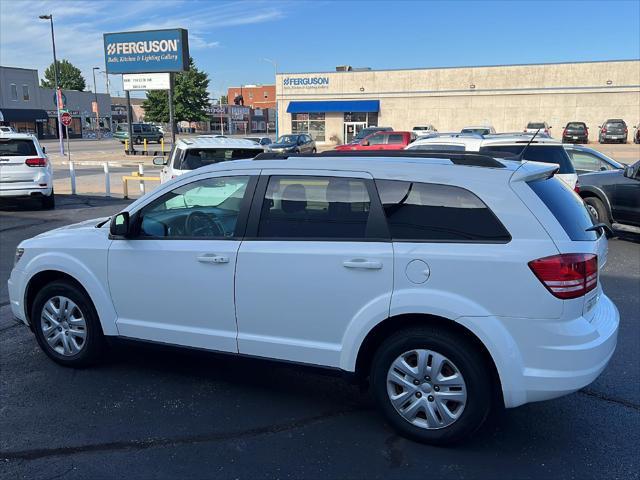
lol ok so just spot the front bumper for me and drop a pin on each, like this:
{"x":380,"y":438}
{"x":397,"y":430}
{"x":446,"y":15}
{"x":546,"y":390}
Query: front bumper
{"x":556,"y":358}
{"x":16,"y":286}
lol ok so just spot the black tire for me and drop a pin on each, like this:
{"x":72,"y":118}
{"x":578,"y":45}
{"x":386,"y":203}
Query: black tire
{"x":467,"y":359}
{"x":94,"y":343}
{"x":313,"y":150}
{"x":48,"y":202}
{"x":138,"y":140}
{"x":598,"y":211}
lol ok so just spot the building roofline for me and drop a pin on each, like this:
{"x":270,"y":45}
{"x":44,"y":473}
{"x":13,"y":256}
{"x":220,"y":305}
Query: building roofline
{"x":20,"y":68}
{"x":467,"y":66}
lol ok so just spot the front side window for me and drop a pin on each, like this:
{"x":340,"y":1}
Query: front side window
{"x":377,"y":139}
{"x":437,"y":213}
{"x":585,"y":162}
{"x":206,"y":208}
{"x":314,"y":208}
{"x":137,"y":129}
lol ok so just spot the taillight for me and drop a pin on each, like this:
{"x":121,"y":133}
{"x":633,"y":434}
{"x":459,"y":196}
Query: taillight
{"x":568,"y":275}
{"x":564,"y":132}
{"x":36,"y":162}
{"x":604,"y":129}
{"x":576,"y":188}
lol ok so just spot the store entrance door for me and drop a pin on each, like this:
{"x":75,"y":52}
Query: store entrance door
{"x":351,"y":129}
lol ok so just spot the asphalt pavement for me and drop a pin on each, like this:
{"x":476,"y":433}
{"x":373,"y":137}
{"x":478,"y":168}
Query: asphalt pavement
{"x":151,"y":412}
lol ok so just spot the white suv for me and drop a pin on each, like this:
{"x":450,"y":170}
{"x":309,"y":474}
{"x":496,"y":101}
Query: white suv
{"x":25,"y":169}
{"x":454,"y":284}
{"x":196,"y":152}
{"x":542,"y":149}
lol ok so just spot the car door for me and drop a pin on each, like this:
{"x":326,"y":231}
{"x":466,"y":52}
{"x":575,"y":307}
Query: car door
{"x":625,"y":199}
{"x":173,"y":282}
{"x":314,"y":260}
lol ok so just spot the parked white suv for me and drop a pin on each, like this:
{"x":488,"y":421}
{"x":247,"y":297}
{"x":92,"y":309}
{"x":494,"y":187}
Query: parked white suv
{"x":192,"y":153}
{"x":454,"y":284}
{"x":25,"y":169}
{"x":542,"y":149}
{"x":424,"y":130}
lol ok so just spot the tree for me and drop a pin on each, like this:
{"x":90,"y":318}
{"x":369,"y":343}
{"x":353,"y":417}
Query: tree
{"x":190,"y":98}
{"x":69,"y":76}
{"x":224,"y":100}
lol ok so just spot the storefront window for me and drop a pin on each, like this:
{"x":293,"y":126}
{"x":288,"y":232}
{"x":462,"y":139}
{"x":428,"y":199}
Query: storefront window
{"x":370,"y":118}
{"x":311,"y":123}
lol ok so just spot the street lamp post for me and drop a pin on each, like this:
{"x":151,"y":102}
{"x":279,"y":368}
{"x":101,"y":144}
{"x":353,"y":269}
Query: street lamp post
{"x":95,"y":96}
{"x":275,"y":79}
{"x":55,"y":79}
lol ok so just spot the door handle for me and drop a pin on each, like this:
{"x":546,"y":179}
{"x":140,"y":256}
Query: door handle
{"x":212,"y":258}
{"x":362,"y":263}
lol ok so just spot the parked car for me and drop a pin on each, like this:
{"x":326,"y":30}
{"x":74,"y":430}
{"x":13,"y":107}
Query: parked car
{"x":586,"y":160}
{"x":6,"y":129}
{"x":365,"y":132}
{"x":479,"y":129}
{"x":381,"y":141}
{"x":541,"y":149}
{"x":452,"y":285}
{"x":575,"y":132}
{"x":141,"y":132}
{"x":613,"y":197}
{"x":613,"y":130}
{"x":636,"y":133}
{"x":422,"y":130}
{"x":260,"y":140}
{"x":542,"y":127}
{"x":196,"y":152}
{"x":294,"y":143}
{"x":25,"y":169}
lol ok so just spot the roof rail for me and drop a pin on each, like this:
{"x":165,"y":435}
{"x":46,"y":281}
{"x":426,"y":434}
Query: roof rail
{"x":470,"y":159}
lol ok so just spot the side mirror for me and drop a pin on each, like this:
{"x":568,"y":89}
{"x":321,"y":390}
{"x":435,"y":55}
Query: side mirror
{"x":119,"y":226}
{"x":365,"y":143}
{"x":159,"y":161}
{"x":629,"y":171}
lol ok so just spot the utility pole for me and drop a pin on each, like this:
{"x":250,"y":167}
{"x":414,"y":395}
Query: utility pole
{"x":95,"y":96}
{"x":55,"y":79}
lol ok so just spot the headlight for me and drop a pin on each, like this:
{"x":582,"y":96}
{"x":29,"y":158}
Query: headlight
{"x":19,"y":253}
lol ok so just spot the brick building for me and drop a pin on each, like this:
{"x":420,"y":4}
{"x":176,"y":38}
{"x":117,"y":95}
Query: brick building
{"x":255,"y":96}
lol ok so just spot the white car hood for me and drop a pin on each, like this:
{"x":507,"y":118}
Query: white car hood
{"x":87,"y":224}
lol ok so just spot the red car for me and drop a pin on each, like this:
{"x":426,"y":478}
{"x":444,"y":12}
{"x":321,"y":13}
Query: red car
{"x":381,"y":141}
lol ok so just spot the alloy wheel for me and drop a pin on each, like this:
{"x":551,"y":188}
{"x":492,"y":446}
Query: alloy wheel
{"x":426,"y":389}
{"x":63,"y":326}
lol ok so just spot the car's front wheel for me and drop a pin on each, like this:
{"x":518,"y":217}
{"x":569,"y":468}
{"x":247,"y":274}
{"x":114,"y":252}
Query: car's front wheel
{"x":66,"y":325}
{"x":432,"y":385}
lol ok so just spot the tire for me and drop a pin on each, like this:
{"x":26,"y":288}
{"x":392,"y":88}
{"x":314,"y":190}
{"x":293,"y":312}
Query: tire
{"x":313,"y":150}
{"x":598,"y":210}
{"x":90,"y":348}
{"x":48,"y":202}
{"x":138,"y":140}
{"x":461,"y":356}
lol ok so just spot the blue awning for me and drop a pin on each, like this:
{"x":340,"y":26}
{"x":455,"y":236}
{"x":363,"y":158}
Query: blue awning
{"x":334,"y":106}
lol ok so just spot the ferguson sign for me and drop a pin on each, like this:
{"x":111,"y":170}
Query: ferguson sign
{"x":305,"y":82}
{"x":147,"y":52}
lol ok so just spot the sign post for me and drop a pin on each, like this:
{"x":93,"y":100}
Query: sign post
{"x":65,"y":118}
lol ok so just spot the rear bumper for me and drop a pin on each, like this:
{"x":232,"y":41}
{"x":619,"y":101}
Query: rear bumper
{"x":555,"y":358}
{"x":25,"y":191}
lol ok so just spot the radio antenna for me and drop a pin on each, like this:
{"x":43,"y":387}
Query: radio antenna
{"x":520,"y":156}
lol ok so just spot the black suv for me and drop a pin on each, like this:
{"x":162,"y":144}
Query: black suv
{"x":575,"y":132}
{"x":613,"y":130}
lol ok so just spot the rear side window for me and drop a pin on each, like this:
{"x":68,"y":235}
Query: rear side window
{"x":17,"y":147}
{"x":438,"y":213}
{"x":537,"y":153}
{"x":567,"y":207}
{"x":199,"y":157}
{"x":396,"y":139}
{"x":314,"y":207}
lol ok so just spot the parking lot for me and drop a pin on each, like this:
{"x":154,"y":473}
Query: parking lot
{"x":152,"y":412}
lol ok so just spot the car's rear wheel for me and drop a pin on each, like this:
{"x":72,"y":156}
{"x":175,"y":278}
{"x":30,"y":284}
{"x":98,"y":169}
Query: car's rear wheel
{"x":598,"y":210}
{"x":313,"y":150}
{"x":66,"y":325}
{"x":48,"y":202}
{"x":432,"y":385}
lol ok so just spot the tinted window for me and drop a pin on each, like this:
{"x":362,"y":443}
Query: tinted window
{"x":433,"y":212}
{"x":479,"y":131}
{"x":537,"y":153}
{"x":314,"y":207}
{"x":566,"y":206}
{"x":377,"y":139}
{"x":576,"y":126}
{"x":17,"y":148}
{"x":396,"y":138}
{"x":137,"y":128}
{"x":535,"y":125}
{"x":439,"y":147}
{"x":199,"y":157}
{"x":207,"y":208}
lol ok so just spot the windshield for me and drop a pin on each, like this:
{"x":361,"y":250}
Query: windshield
{"x":288,"y":139}
{"x":365,"y":132}
{"x":17,"y":147}
{"x":199,"y":157}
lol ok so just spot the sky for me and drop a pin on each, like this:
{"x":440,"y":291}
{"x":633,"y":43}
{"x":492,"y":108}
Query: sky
{"x":230,"y":40}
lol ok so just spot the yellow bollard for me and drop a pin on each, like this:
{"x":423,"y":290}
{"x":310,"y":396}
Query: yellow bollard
{"x":162,"y":145}
{"x":145,"y":145}
{"x":126,"y":147}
